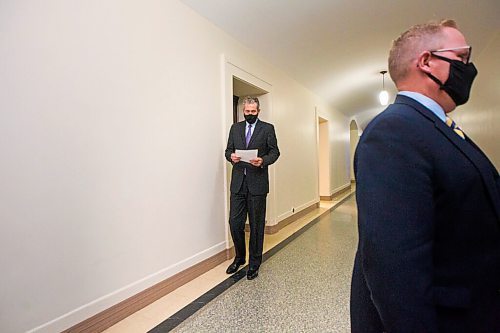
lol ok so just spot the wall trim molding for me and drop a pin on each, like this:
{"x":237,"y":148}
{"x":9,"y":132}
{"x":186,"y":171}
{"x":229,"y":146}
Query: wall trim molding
{"x":110,"y":316}
{"x":116,"y":313}
{"x":295,"y":210}
{"x":272,"y":229}
{"x":337,"y":191}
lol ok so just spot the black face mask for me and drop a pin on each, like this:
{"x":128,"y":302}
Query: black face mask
{"x":250,"y":118}
{"x":459,"y":82}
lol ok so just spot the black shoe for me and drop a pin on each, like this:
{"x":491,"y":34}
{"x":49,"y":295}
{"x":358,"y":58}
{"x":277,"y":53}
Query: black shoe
{"x":252,"y":273}
{"x":233,"y":268}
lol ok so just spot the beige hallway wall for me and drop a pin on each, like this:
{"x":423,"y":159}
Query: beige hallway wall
{"x":112,"y":168}
{"x":480,"y":117}
{"x":339,"y":149}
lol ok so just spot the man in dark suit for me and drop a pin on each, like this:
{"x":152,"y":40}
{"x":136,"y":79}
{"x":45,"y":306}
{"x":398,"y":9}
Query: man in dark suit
{"x":428,"y":258}
{"x":250,"y":184}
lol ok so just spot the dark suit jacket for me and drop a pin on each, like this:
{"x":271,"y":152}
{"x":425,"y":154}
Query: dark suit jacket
{"x":263,"y":139}
{"x":428,"y":258}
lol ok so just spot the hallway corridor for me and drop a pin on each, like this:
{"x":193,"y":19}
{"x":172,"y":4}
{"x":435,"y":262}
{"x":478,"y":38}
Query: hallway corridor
{"x":303,"y":286}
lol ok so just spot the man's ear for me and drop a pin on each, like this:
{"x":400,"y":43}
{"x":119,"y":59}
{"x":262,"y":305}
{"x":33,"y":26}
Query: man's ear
{"x":423,"y":61}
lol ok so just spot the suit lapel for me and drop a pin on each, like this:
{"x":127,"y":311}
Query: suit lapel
{"x":258,"y":128}
{"x":242,"y":129}
{"x":466,"y":147}
{"x":477,"y":158}
{"x":469,"y":140}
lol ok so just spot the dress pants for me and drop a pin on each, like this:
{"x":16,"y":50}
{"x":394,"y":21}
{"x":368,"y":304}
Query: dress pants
{"x":241,"y":204}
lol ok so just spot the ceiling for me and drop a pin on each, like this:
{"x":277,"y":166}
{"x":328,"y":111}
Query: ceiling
{"x":242,"y":88}
{"x":337,"y":48}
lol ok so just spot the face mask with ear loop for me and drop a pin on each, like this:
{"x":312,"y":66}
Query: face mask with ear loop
{"x":459,"y":82}
{"x":250,"y":118}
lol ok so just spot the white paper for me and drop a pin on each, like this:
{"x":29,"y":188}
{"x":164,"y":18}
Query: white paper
{"x":247,"y":155}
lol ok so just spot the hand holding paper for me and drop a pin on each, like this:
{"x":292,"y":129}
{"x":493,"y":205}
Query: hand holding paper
{"x":247,"y":155}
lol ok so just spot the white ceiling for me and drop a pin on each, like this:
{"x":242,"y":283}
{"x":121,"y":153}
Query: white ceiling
{"x":337,"y":48}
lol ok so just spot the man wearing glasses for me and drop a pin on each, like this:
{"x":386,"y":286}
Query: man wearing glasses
{"x":250,"y":184}
{"x":428,"y":258}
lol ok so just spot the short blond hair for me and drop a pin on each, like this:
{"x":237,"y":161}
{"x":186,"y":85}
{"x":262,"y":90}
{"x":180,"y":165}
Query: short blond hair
{"x":411,"y":43}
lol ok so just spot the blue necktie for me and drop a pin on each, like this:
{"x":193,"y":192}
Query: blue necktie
{"x":247,"y":140}
{"x":249,"y":135}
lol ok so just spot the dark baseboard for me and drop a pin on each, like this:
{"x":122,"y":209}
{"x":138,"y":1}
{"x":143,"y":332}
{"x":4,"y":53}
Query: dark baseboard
{"x":333,"y":195}
{"x":283,"y":223}
{"x":176,"y":319}
{"x":122,"y":310}
{"x":272,"y":229}
{"x":109,"y":317}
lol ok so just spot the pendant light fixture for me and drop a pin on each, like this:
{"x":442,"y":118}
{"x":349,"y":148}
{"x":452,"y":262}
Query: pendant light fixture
{"x":384,"y":95}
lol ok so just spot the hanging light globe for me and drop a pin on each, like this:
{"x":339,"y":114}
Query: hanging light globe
{"x":383,"y":96}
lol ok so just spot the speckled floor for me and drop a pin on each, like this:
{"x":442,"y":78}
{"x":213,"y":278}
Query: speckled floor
{"x":304,"y":287}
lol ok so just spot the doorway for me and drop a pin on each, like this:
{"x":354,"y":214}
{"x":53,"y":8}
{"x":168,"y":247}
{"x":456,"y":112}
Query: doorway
{"x":354,"y":139}
{"x":239,"y":83}
{"x":241,"y":89}
{"x":324,"y":159}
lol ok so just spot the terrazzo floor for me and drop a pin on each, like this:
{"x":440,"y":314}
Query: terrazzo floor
{"x":304,"y":287}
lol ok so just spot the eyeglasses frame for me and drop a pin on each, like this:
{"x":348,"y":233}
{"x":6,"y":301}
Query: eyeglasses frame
{"x":455,"y":49}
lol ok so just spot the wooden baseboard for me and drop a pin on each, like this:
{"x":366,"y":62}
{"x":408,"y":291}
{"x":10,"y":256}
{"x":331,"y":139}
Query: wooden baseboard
{"x":122,"y":310}
{"x":330,"y":197}
{"x":109,"y":317}
{"x":272,"y":229}
{"x":283,"y":223}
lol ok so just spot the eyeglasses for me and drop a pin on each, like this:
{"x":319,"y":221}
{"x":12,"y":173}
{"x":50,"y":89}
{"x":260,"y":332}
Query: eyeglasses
{"x":464,"y":56}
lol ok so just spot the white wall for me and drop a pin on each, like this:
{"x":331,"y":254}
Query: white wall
{"x":340,"y":155}
{"x":112,"y":139}
{"x":324,"y":158}
{"x":480,"y":117}
{"x":354,"y":139}
{"x":339,"y":149}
